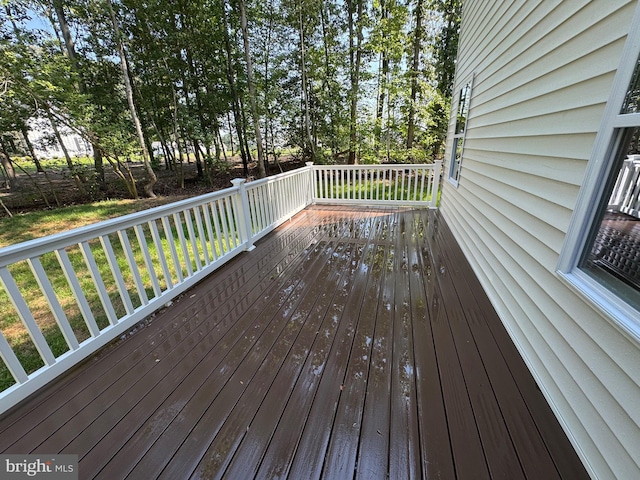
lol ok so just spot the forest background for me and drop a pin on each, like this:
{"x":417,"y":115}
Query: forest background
{"x":186,"y":90}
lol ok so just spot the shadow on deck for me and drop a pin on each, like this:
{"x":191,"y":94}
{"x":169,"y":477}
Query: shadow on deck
{"x":351,"y":343}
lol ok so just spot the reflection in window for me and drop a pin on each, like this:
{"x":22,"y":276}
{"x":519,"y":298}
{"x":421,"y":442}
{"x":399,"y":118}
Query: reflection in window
{"x":613,"y":253}
{"x":459,"y":133}
{"x":632,"y":98}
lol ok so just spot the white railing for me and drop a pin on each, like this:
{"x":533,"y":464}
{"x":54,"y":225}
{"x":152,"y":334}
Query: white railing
{"x":74,"y":292}
{"x":380,"y":184}
{"x":625,"y":197}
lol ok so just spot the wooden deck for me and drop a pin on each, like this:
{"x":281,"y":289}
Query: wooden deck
{"x":351,"y":343}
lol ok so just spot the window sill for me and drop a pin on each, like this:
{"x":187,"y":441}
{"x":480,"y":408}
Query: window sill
{"x":618,"y":312}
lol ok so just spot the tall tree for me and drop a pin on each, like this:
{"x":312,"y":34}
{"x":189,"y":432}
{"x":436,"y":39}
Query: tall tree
{"x":251,"y":87}
{"x":58,"y":6}
{"x":415,"y":72}
{"x":237,"y":115}
{"x":446,"y":43}
{"x":148,"y":187}
{"x":388,"y":38}
{"x":355,"y":22}
{"x":305,"y":87}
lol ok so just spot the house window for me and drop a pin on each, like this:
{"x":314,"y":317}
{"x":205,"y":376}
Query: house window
{"x":464,"y":100}
{"x":601,"y":254}
{"x":612,"y":253}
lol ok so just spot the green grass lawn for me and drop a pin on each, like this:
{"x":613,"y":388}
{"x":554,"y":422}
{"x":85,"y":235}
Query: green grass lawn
{"x":26,"y":164}
{"x":28,"y":226}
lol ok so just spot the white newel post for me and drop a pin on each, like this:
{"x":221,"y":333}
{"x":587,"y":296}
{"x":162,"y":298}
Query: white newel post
{"x":312,"y":182}
{"x":436,"y":183}
{"x":241,"y":205}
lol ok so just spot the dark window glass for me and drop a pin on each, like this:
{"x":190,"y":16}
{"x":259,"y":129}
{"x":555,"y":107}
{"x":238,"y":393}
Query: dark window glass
{"x":461,"y":125}
{"x":613,"y":252}
{"x":463,"y":108}
{"x":632,"y":99}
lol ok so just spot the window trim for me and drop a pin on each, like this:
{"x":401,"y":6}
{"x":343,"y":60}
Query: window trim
{"x":459,"y":137}
{"x":600,"y":166}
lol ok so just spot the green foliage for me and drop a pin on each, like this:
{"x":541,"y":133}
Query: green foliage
{"x":191,"y":87}
{"x":218,"y":166}
{"x":445,"y":45}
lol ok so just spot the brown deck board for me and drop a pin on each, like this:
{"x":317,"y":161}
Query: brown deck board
{"x":519,"y":429}
{"x":343,"y":446}
{"x":353,"y":342}
{"x":436,"y":452}
{"x":372,"y":460}
{"x":245,"y":348}
{"x":404,"y":453}
{"x":281,"y":324}
{"x":525,"y":405}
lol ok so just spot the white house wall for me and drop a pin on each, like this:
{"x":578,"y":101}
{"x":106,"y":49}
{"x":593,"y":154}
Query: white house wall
{"x":46,"y":145}
{"x":542,"y":73}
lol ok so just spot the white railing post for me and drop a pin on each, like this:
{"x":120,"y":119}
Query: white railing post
{"x":312,"y":183}
{"x":243,"y":214}
{"x":437,"y":167}
{"x":625,"y":196}
{"x":622,"y":184}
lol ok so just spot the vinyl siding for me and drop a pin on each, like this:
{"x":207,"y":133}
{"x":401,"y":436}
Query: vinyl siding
{"x":542,"y":73}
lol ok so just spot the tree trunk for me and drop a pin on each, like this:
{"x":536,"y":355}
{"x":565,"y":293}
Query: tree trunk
{"x":244,"y":136}
{"x":234,"y":94}
{"x":196,"y":153}
{"x":5,"y":160}
{"x":32,"y":152}
{"x":383,"y":83}
{"x":72,"y":169}
{"x":267,"y":99}
{"x":230,"y":134}
{"x":124,"y":173}
{"x":221,"y":148}
{"x":98,"y":163}
{"x":149,"y":145}
{"x":4,"y":207}
{"x":252,"y":89}
{"x":66,"y":35}
{"x":415,"y":67}
{"x":329,"y":76}
{"x":355,"y":58}
{"x":180,"y":163}
{"x":4,"y":157}
{"x":82,"y":88}
{"x":305,"y":92}
{"x":390,"y":108}
{"x":148,"y":188}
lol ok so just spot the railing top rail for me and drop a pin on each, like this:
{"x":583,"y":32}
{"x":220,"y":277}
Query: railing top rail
{"x":275,"y":178}
{"x":56,"y":241}
{"x":32,"y":248}
{"x":38,"y":246}
{"x":381,"y":166}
